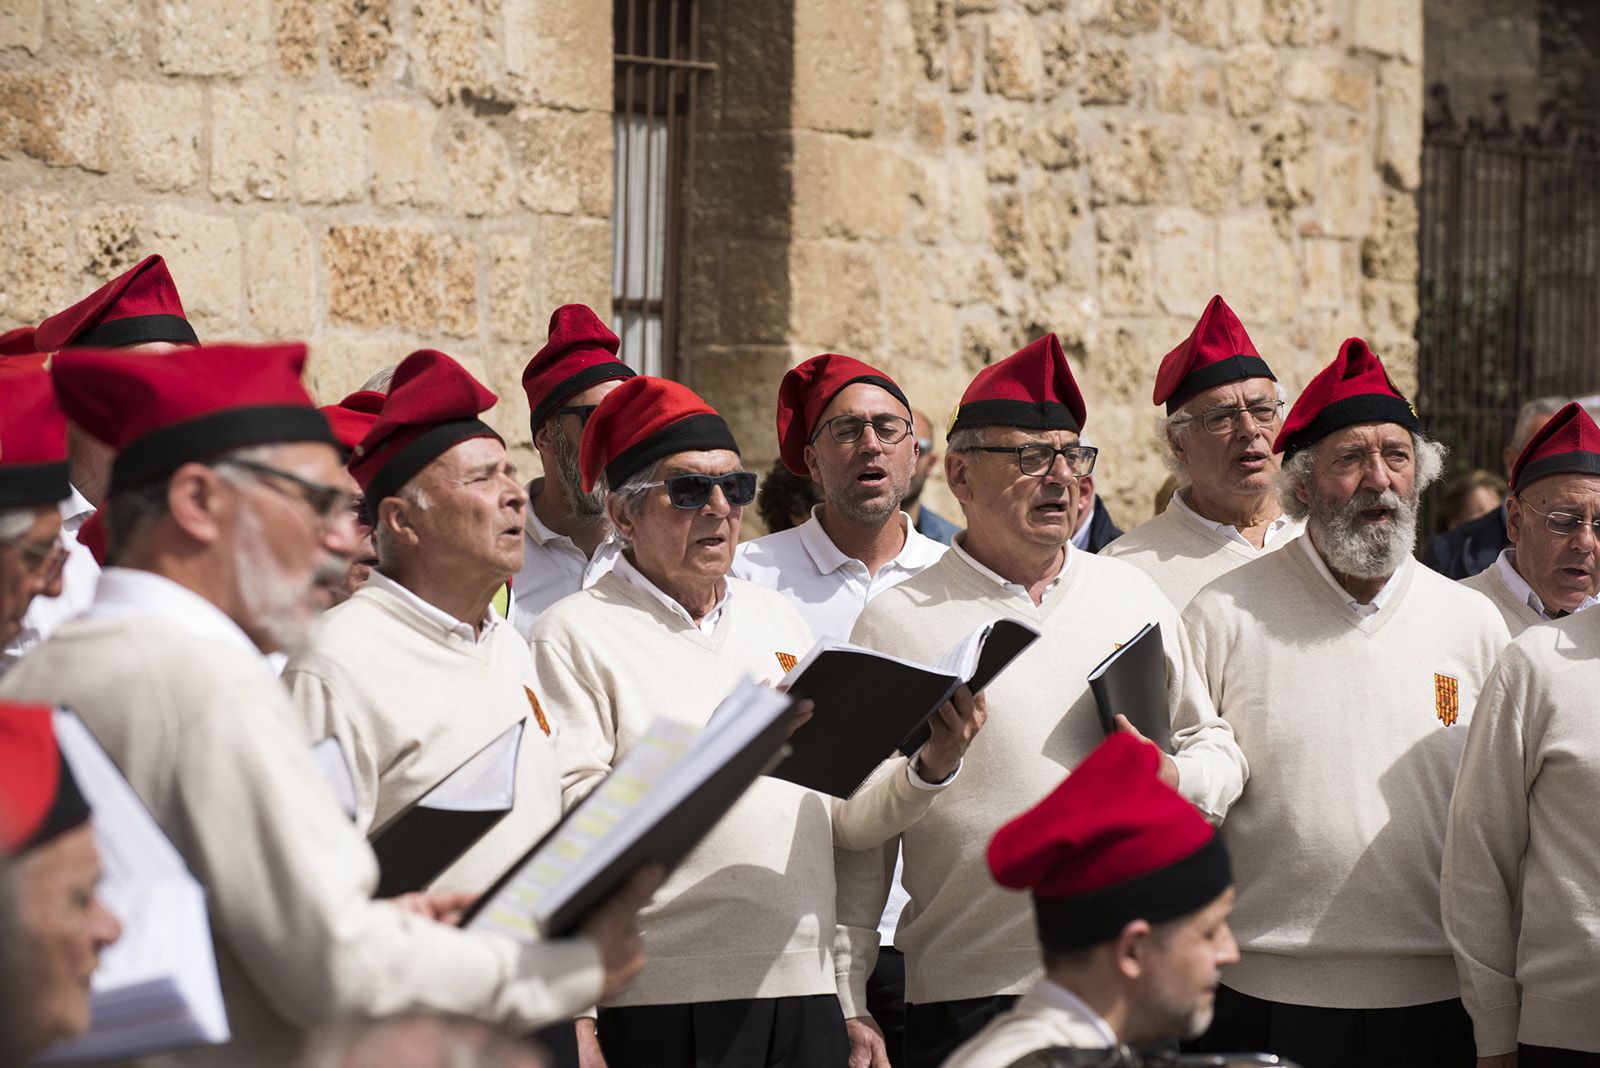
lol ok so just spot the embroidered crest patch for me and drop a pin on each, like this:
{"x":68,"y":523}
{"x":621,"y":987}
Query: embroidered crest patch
{"x":787,"y":661}
{"x":538,"y":712}
{"x":1446,"y":699}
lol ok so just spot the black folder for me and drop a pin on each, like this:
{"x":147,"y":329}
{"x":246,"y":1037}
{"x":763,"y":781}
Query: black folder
{"x":1133,"y":682}
{"x":1004,"y":643}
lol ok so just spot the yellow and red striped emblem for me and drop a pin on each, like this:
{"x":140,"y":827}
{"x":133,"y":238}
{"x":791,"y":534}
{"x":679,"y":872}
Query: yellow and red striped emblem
{"x":538,"y":712}
{"x":1446,"y":699}
{"x":787,"y":661}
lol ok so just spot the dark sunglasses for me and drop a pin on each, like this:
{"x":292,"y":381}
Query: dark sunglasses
{"x":582,"y":411}
{"x":693,"y":491}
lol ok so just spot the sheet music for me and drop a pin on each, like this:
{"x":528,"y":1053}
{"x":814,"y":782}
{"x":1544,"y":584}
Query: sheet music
{"x":487,"y":782}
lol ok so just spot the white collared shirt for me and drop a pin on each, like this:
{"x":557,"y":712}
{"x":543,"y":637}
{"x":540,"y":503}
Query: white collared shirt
{"x":828,"y":587}
{"x":1188,"y":514}
{"x":707,"y":626}
{"x":553,"y":566}
{"x":1505,"y":567}
{"x":1080,"y":537}
{"x":1005,"y":583}
{"x":78,"y":577}
{"x":434,"y":613}
{"x":1372,"y":607}
{"x":129,"y":593}
{"x":1053,"y":995}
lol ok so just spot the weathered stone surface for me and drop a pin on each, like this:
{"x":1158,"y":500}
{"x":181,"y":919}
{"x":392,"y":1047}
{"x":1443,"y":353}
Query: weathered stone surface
{"x":565,"y":162}
{"x":1048,"y":229}
{"x":921,"y":327}
{"x":983,"y":339}
{"x":1288,"y":161}
{"x":213,"y":36}
{"x":1013,"y":64}
{"x":1255,"y":268}
{"x":158,"y":132}
{"x":516,"y":299}
{"x":928,"y":126}
{"x":558,"y":52}
{"x":296,"y":27}
{"x":252,"y":142}
{"x":281,"y":275}
{"x":969,"y":224}
{"x":376,"y":276}
{"x":1174,"y":81}
{"x":846,"y":187}
{"x":458,"y":309}
{"x":1352,"y":88}
{"x":1125,"y":282}
{"x":363,"y":32}
{"x":931,"y":25}
{"x":836,"y":65}
{"x":1211,"y":163}
{"x":835,"y":302}
{"x":1130,"y":165}
{"x":1244,"y":19}
{"x":1252,"y":79}
{"x":22,"y":25}
{"x":36,"y":236}
{"x":59,"y":117}
{"x":1322,"y":269}
{"x":1002,"y":146}
{"x":1292,"y":22}
{"x":342,"y":360}
{"x":94,"y":30}
{"x":405,"y":163}
{"x":1388,"y":28}
{"x":1389,"y":251}
{"x":1063,"y":51}
{"x":202,"y":252}
{"x":1185,"y":259}
{"x":1202,"y":22}
{"x":1344,"y":207}
{"x":1129,"y":17}
{"x":1308,"y":80}
{"x":478,"y":164}
{"x":110,"y":238}
{"x":576,"y":255}
{"x":1400,"y":125}
{"x":755,"y":293}
{"x":331,"y":141}
{"x":1053,"y":144}
{"x":1007,"y":231}
{"x":963,"y":59}
{"x":445,"y":48}
{"x":1108,"y":77}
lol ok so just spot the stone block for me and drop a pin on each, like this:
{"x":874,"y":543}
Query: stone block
{"x":295,"y":26}
{"x":754,"y":293}
{"x":363,"y":33}
{"x":1124,"y":262}
{"x":835,"y":304}
{"x":1244,"y":20}
{"x":458,"y":310}
{"x":281,"y":276}
{"x":836,"y":65}
{"x":1308,"y":81}
{"x":576,"y":256}
{"x":1351,"y":87}
{"x":1008,"y":232}
{"x":1252,"y":80}
{"x":92,"y":29}
{"x":202,"y":252}
{"x":375,"y":276}
{"x":969,"y":189}
{"x":1389,"y":251}
{"x":931,"y":24}
{"x":1343,"y":202}
{"x":737,"y":381}
{"x":210,"y":37}
{"x":158,"y":132}
{"x":558,"y":52}
{"x":1049,"y":223}
{"x":1202,"y":22}
{"x":478,"y":165}
{"x":331,"y":140}
{"x":405,"y":164}
{"x":445,"y":48}
{"x":1185,"y":260}
{"x":516,"y":298}
{"x":920,"y":326}
{"x":59,"y":117}
{"x":1322,"y":273}
{"x":1295,"y":22}
{"x":1002,"y":146}
{"x":1288,"y":161}
{"x":252,"y":142}
{"x":736,"y":175}
{"x":342,"y":360}
{"x":1053,"y":143}
{"x":1129,"y":17}
{"x":1013,"y":64}
{"x":847,"y":187}
{"x":36,"y":238}
{"x":1108,"y":77}
{"x":22,"y":25}
{"x":963,"y":59}
{"x":1400,"y":125}
{"x":1174,"y":81}
{"x":983,"y":339}
{"x":565,"y":161}
{"x":1129,"y":164}
{"x":1389,"y":28}
{"x":1211,"y":162}
{"x":1256,"y":268}
{"x":110,"y":240}
{"x":928,"y":125}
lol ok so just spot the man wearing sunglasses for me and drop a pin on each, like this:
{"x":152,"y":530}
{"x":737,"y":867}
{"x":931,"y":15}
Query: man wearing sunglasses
{"x":1013,"y":463}
{"x":1552,"y":567}
{"x":567,"y":542}
{"x":1223,"y":407}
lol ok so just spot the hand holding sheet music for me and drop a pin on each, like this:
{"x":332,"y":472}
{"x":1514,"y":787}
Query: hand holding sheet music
{"x":1132,"y":682}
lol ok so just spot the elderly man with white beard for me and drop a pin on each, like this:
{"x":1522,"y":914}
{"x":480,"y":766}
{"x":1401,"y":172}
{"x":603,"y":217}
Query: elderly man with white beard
{"x":1348,"y":672}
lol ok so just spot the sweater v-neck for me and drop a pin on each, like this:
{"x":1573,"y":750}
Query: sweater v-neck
{"x":987,"y":589}
{"x":1368,"y":625}
{"x":431,"y":629}
{"x":674,"y":623}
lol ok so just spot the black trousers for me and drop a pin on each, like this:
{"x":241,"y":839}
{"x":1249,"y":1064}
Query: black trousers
{"x":886,"y":1001}
{"x":806,"y":1032}
{"x":560,"y":1044}
{"x":1550,"y":1057}
{"x":935,"y":1029}
{"x":1436,"y":1035}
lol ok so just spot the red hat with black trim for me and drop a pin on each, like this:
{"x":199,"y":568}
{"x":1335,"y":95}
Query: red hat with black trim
{"x":581,"y":352}
{"x":161,"y":411}
{"x":644,"y":420}
{"x":39,"y":798}
{"x":1352,"y":390}
{"x":135,"y":308}
{"x":1216,"y":352}
{"x":18,"y":342}
{"x":432,"y":406}
{"x":808,"y":389}
{"x":1569,"y":444}
{"x":352,"y":417}
{"x":1110,"y":845}
{"x":33,"y":437}
{"x":1032,"y":389}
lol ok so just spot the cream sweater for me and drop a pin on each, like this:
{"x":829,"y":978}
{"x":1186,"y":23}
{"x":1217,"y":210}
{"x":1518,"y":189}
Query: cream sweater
{"x":750,"y":913}
{"x":962,"y":935}
{"x":204,"y":734}
{"x":1353,"y":736}
{"x":410,"y":701}
{"x":1182,"y":557}
{"x":1519,"y":616}
{"x":1522,"y":862}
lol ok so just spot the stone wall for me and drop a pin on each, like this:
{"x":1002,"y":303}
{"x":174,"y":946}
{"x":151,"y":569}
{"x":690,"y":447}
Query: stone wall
{"x":372,"y":176}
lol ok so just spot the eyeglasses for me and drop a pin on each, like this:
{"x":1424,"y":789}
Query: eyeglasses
{"x":693,"y":491}
{"x":1564,"y":523}
{"x":1037,"y":460}
{"x":42,"y":559}
{"x":849,"y":428}
{"x":1224,"y":419}
{"x":582,"y":411}
{"x":327,"y":503}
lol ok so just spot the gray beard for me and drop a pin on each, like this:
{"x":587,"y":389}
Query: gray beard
{"x":1359,"y":551}
{"x":589,"y":507}
{"x":278,"y":610}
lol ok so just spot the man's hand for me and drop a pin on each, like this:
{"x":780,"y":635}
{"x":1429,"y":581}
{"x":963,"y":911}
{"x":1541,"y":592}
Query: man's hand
{"x":1168,"y":772}
{"x":867,"y":1048}
{"x":801,"y":714}
{"x":589,"y":1055}
{"x":1504,"y":1060}
{"x":442,"y":906}
{"x":953,"y":727}
{"x":615,"y":929}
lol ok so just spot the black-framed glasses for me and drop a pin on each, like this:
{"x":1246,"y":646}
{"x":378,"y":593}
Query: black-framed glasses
{"x":1224,"y":419}
{"x":327,"y":503}
{"x":693,"y":491}
{"x":845,"y":429}
{"x":1037,"y":460}
{"x":1563,"y":523}
{"x":582,"y":411}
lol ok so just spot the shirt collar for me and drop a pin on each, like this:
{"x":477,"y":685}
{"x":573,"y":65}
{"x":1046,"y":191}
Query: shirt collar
{"x":1227,"y":530}
{"x":1372,"y":607}
{"x":1080,"y":537}
{"x":127,"y":593}
{"x":433,"y":613}
{"x":1005,"y":583}
{"x":75,"y":509}
{"x":1053,"y":995}
{"x":917,"y":552}
{"x":1505,"y":567}
{"x":625,"y":568}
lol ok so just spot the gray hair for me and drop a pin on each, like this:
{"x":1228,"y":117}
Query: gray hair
{"x":1530,"y":413}
{"x":1172,"y":428}
{"x":631,"y":493}
{"x":1295,"y":474}
{"x":130,"y":511}
{"x":382,"y":537}
{"x":15,"y":522}
{"x":381,"y":380}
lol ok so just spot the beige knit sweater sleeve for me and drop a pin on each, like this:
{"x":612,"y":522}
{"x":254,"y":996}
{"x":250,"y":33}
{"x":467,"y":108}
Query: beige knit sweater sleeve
{"x":1212,"y":770}
{"x":313,"y":687}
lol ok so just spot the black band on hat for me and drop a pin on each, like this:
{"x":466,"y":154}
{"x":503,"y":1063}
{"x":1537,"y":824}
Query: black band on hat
{"x":68,"y":809}
{"x":1164,"y":894}
{"x":136,"y":330}
{"x":872,"y":380}
{"x":1025,"y":415}
{"x":162,"y":451}
{"x":24,"y":484}
{"x":1351,"y":411}
{"x":419,"y":453}
{"x":697,"y":433}
{"x":1233,"y":369}
{"x":592,"y":375}
{"x":1562,"y":463}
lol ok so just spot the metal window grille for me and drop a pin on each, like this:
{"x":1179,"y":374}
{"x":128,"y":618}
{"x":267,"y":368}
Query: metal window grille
{"x":658,"y":68}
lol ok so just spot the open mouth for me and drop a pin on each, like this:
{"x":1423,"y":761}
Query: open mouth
{"x":714,"y":541}
{"x":1252,"y":460}
{"x":1050,"y":509}
{"x":872,"y":476}
{"x":1376,"y":515}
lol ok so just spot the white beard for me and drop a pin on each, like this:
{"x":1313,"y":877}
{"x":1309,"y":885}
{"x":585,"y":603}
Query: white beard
{"x":1365,"y":552}
{"x":279,"y":610}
